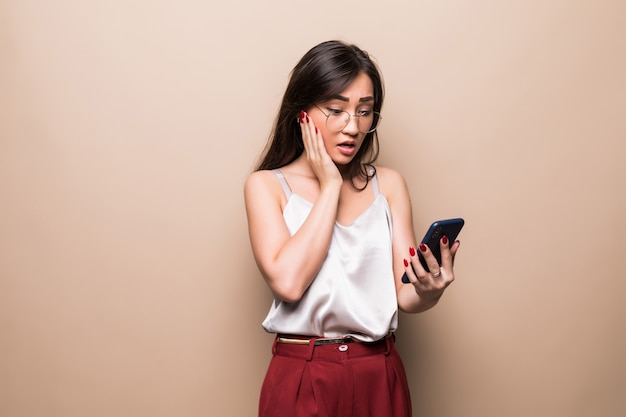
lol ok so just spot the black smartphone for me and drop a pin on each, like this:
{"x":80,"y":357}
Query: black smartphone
{"x":450,"y":228}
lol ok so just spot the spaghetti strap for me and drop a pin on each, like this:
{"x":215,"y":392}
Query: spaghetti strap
{"x":374,"y":181}
{"x":283,"y":182}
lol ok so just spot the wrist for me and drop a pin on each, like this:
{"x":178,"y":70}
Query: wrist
{"x":331,"y":186}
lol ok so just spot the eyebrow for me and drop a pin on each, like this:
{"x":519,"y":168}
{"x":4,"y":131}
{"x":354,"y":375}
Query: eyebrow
{"x":346,"y":99}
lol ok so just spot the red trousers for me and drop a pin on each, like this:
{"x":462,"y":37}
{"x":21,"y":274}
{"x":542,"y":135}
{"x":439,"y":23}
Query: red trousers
{"x":335,"y":380}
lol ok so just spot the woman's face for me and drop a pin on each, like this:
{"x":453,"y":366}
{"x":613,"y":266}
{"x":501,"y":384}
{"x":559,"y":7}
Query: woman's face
{"x":342,"y":144}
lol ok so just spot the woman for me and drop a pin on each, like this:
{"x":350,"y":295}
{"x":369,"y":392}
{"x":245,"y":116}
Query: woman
{"x":332,"y":234}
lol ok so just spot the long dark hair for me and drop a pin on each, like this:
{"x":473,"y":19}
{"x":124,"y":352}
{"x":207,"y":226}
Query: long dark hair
{"x":322,"y":73}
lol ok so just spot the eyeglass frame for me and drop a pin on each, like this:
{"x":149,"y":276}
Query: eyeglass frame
{"x":350,"y":116}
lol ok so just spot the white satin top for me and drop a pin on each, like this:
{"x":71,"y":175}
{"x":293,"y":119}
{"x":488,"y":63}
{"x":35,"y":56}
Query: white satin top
{"x":354,"y":292}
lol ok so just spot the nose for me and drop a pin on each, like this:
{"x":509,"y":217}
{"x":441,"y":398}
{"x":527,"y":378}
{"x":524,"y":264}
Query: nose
{"x":352,"y":128}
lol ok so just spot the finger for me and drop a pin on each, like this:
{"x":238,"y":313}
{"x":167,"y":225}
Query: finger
{"x":315,"y":142}
{"x":448,"y":251}
{"x":319,"y":142}
{"x":431,"y":261}
{"x":418,"y":269}
{"x":409,"y":271}
{"x":306,"y":134}
{"x":454,"y":249}
{"x":420,"y":283}
{"x":446,"y":257}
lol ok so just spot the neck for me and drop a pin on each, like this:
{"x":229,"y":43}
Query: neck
{"x":304,"y":168}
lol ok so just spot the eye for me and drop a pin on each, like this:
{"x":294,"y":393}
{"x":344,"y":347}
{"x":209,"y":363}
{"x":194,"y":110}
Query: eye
{"x":334,"y":112}
{"x":365,"y":113}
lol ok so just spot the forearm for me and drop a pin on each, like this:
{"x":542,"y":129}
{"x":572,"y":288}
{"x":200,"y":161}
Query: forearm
{"x":296,"y":264}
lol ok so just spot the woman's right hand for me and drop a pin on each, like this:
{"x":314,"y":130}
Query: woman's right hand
{"x":323,"y":166}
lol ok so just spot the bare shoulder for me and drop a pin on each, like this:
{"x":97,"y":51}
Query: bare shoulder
{"x":263,"y":179}
{"x":392,"y":182}
{"x":262,"y":187}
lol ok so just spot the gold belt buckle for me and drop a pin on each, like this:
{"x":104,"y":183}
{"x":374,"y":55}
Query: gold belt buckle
{"x":332,"y":341}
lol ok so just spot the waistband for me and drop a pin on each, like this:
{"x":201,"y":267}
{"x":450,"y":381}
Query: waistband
{"x":330,"y":348}
{"x":317,"y":341}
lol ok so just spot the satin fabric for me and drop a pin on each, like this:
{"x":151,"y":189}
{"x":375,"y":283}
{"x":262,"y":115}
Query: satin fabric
{"x":354,"y":292}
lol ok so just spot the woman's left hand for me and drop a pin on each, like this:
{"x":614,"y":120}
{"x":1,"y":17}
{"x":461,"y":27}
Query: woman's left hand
{"x":431,"y":285}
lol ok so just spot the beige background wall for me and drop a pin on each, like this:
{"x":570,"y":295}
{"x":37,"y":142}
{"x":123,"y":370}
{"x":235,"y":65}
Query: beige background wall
{"x":127,"y":286}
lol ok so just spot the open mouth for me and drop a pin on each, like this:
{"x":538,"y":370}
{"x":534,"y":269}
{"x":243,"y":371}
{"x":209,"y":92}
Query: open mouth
{"x":348,"y":144}
{"x":347,"y":148}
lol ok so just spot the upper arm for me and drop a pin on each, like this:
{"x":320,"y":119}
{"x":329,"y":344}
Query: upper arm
{"x":266,"y":225}
{"x":394,"y":187}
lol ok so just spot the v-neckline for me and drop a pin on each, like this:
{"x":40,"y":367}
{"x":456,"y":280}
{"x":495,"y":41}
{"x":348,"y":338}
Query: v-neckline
{"x":337,"y":223}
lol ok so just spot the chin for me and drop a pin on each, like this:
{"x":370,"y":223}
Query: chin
{"x":342,"y":161}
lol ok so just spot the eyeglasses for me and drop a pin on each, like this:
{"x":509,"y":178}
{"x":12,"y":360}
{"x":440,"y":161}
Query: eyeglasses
{"x":367,"y":121}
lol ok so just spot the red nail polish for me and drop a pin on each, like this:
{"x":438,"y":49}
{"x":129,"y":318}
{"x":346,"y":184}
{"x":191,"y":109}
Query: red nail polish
{"x":412,"y":251}
{"x":422,"y":247}
{"x":406,"y":263}
{"x":444,"y":239}
{"x":316,"y":130}
{"x":307,"y":118}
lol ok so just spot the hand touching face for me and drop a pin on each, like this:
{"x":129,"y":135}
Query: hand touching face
{"x":356,"y":99}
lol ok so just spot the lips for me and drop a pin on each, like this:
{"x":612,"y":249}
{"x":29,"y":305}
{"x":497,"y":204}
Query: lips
{"x":347,"y":148}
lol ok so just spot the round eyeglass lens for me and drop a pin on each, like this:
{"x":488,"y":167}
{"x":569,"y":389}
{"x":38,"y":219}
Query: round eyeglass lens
{"x":366,"y":123}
